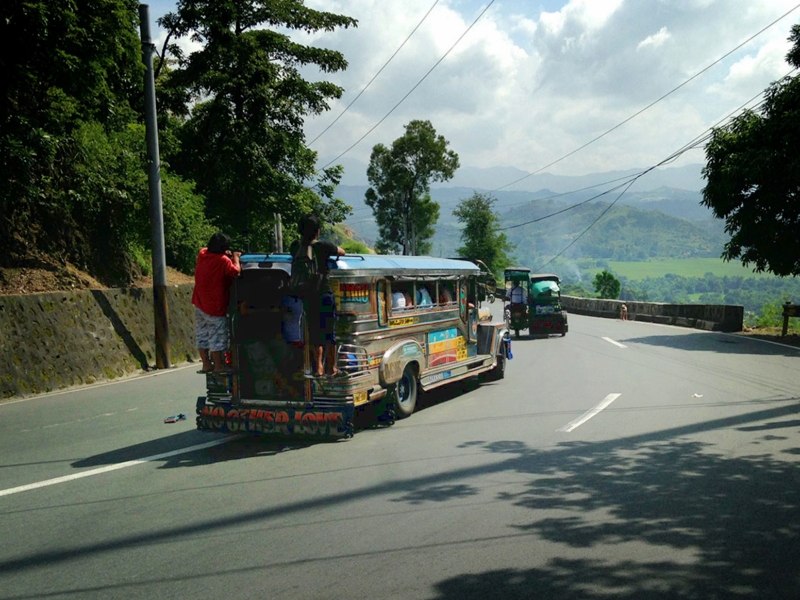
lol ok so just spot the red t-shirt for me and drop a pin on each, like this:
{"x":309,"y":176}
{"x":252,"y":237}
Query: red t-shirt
{"x":212,"y":282}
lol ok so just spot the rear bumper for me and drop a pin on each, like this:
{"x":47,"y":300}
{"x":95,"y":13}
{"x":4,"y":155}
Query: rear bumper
{"x":318,"y":419}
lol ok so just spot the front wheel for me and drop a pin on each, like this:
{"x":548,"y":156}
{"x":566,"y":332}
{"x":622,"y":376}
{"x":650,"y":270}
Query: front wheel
{"x":405,"y":393}
{"x":499,"y":370}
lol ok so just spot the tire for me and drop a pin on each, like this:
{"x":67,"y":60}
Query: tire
{"x":499,"y":371}
{"x":405,"y":393}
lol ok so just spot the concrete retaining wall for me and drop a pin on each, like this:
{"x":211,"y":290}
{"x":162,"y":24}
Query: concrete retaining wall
{"x":62,"y":339}
{"x":712,"y":317}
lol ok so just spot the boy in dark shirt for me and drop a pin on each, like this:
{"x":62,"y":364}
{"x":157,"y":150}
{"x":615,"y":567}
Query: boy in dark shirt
{"x":319,"y":305}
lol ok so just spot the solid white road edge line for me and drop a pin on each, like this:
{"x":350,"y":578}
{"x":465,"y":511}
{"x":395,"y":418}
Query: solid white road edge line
{"x":588,"y":414}
{"x":610,"y":341}
{"x":123,"y":465}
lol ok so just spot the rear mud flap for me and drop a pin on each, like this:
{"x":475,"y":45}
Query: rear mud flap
{"x":313,"y":421}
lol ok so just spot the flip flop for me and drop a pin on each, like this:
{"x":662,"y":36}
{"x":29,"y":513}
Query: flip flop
{"x":202,"y":372}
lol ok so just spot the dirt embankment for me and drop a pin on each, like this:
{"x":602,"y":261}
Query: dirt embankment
{"x":53,"y":278}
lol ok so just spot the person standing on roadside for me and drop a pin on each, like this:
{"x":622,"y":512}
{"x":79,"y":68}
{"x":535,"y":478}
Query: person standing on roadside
{"x":215,"y":270}
{"x":311,"y":282}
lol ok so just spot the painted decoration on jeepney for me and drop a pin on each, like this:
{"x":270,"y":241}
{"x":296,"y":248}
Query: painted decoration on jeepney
{"x":289,"y":421}
{"x":354,"y":292}
{"x":403,"y":321}
{"x":462,"y":299}
{"x":445,"y":346}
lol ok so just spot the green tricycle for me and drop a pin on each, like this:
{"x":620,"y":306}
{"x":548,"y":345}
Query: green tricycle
{"x":517,"y":295}
{"x":546,"y":313}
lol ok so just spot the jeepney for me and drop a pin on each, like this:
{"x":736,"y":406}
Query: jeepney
{"x":405,"y":324}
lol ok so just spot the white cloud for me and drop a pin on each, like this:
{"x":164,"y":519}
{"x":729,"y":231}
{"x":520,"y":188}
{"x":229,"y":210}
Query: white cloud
{"x":532,"y":82}
{"x":655,"y":40}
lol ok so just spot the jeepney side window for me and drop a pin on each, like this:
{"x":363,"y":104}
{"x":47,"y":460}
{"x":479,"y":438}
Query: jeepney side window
{"x":423,"y":294}
{"x":472,"y":292}
{"x":402,"y":296}
{"x":445,"y":294}
{"x":382,"y":300}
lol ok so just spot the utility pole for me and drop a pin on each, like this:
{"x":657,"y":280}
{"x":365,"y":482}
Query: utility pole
{"x":160,"y":306}
{"x":278,"y":233}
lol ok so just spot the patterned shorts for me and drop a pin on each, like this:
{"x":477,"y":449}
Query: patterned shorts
{"x":212,"y":332}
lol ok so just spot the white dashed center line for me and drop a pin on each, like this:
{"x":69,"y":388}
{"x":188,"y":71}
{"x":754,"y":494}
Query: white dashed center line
{"x":588,"y":414}
{"x":610,"y":341}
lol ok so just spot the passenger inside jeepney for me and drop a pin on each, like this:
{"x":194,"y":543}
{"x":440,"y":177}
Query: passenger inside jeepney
{"x":398,"y":300}
{"x":423,"y":295}
{"x":446,"y":294}
{"x":401,"y":296}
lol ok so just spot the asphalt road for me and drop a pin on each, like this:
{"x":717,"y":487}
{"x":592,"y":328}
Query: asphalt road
{"x":625,"y":460}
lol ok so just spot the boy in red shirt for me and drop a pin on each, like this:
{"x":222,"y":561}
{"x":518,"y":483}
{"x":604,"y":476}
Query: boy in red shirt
{"x":213,"y":275}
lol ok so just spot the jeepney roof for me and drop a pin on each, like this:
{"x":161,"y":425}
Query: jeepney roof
{"x":368,"y":262}
{"x":520,"y":269}
{"x":383,"y":262}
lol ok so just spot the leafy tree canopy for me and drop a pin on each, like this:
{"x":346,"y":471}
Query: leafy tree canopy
{"x":67,"y":66}
{"x":480,"y":237}
{"x":400,"y":179}
{"x":606,"y":285}
{"x":753,"y":174}
{"x":243,"y":102}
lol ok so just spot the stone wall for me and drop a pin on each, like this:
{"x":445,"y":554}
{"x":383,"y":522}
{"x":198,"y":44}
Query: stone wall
{"x":62,"y":339}
{"x":712,"y":317}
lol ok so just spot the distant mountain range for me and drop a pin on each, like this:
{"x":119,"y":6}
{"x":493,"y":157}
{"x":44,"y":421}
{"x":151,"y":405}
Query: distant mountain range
{"x":687,"y":178}
{"x":656,"y":221}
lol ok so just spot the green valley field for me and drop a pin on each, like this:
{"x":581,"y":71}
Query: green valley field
{"x":686,"y":267}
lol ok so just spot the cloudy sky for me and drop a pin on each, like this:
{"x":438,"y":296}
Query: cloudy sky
{"x":532,"y":81}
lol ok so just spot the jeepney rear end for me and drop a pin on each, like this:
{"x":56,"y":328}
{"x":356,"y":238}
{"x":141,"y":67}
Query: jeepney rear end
{"x":267,"y":387}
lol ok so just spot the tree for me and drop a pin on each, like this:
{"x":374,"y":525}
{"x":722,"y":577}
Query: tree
{"x":72,"y":75}
{"x":606,"y":285}
{"x":753,"y":178}
{"x":400,"y":179}
{"x":480,"y":236}
{"x":243,"y":101}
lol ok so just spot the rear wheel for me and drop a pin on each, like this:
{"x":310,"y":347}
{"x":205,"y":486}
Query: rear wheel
{"x":405,"y":393}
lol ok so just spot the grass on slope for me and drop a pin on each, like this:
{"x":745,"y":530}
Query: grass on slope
{"x":687,"y":267}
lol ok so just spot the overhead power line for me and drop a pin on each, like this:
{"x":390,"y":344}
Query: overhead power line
{"x":697,"y":141}
{"x":413,"y":31}
{"x":636,"y":114}
{"x":424,"y":77}
{"x":694,"y":143}
{"x":592,"y":224}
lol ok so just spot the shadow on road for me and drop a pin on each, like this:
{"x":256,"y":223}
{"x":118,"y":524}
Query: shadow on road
{"x":242,"y":446}
{"x":738,"y":517}
{"x":236,"y":448}
{"x":709,"y":342}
